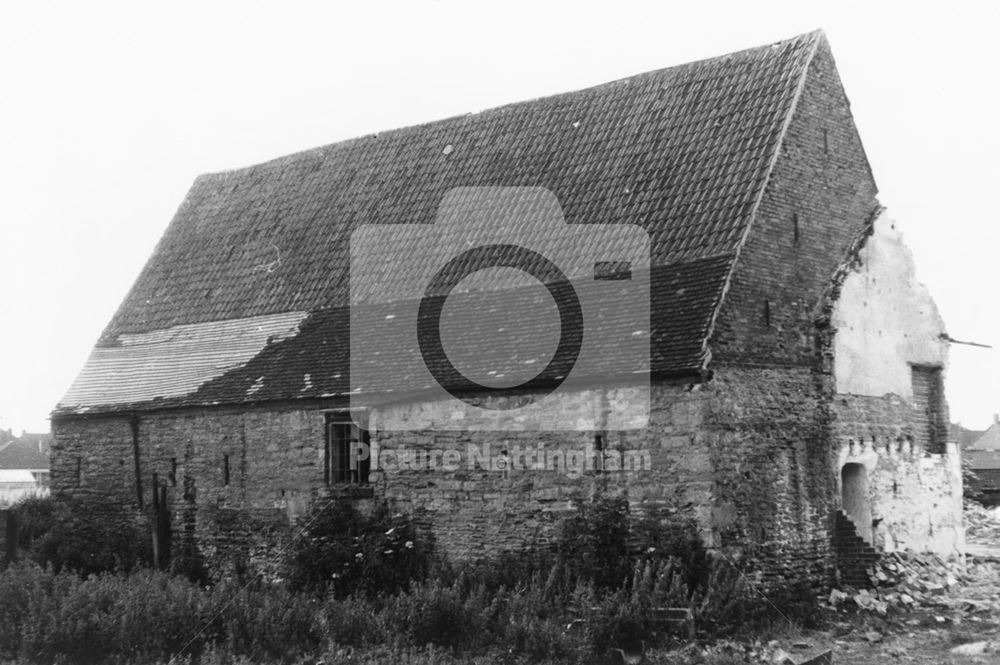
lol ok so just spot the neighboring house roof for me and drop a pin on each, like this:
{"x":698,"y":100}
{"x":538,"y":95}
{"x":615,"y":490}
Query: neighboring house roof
{"x":965,"y":438}
{"x":244,"y":298}
{"x":988,"y":440}
{"x":984,"y":452}
{"x":29,"y":451}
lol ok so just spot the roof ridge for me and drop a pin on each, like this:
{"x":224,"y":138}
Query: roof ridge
{"x":818,"y":37}
{"x":624,"y":80}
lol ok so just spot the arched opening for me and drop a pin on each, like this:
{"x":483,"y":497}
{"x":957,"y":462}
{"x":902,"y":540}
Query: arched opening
{"x":854,"y":498}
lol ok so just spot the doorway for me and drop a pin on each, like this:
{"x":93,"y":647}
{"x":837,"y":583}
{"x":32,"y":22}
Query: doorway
{"x":854,"y":498}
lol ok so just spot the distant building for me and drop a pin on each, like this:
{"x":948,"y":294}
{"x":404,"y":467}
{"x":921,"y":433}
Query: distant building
{"x":15,"y":485}
{"x":963,"y":436}
{"x":983,"y":457}
{"x":24,"y":466}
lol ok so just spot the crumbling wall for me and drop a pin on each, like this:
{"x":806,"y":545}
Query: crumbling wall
{"x":885,"y":319}
{"x":886,"y":326}
{"x":915,"y":498}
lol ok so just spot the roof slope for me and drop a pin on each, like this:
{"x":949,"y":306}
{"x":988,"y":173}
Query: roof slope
{"x":28,"y":452}
{"x":988,"y":440}
{"x":683,"y":152}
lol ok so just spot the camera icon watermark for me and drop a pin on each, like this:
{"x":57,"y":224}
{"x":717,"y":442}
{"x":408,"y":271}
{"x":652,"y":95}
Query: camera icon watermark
{"x":500,"y":316}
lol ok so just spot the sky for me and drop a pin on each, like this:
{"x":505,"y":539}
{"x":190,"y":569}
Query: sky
{"x":108,"y":111}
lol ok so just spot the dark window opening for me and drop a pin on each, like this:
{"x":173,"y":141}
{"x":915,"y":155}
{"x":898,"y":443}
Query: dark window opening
{"x":795,"y":227}
{"x":930,"y":430}
{"x":172,"y":475}
{"x":767,"y":313}
{"x":347,"y":451}
{"x":79,"y":472}
{"x":225,"y":469}
{"x":598,"y":453}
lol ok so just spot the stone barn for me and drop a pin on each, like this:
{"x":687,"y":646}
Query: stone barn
{"x":796,"y":411}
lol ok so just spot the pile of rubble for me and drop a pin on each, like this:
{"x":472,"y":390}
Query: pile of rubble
{"x":924,"y":581}
{"x":982,"y":525}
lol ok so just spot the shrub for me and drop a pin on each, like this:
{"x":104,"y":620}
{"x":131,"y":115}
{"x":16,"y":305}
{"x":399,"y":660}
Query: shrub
{"x":88,"y":535}
{"x":433,"y":613}
{"x":676,"y":540}
{"x":343,"y":551}
{"x":35,"y":516}
{"x":50,"y":616}
{"x":593,"y":544}
{"x":266,"y":622}
{"x":352,"y":622}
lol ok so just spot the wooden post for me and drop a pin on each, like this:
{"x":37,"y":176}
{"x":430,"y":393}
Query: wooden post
{"x":134,"y":423}
{"x":163,"y":521}
{"x":157,"y":545}
{"x":10,"y":539}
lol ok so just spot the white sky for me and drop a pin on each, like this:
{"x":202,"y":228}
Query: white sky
{"x":109,"y":110}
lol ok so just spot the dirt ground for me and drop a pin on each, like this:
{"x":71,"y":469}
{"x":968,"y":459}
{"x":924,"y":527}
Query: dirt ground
{"x":923,"y":610}
{"x":923,"y":636}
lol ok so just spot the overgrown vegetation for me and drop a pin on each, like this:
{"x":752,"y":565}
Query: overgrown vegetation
{"x":596,"y":590}
{"x":86,"y":535}
{"x":343,"y":551}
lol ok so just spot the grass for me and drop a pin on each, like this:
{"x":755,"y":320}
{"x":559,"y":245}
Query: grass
{"x":368,"y":590}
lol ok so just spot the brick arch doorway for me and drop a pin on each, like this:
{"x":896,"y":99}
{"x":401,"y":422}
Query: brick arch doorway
{"x":854,"y":498}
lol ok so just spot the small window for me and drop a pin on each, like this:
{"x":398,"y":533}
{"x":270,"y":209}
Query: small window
{"x":172,"y":475}
{"x":347,"y":451}
{"x":225,"y":469}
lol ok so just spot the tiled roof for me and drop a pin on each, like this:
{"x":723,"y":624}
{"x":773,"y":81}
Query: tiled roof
{"x":988,"y":440}
{"x":682,"y":152}
{"x":965,"y":438}
{"x":175,"y":361}
{"x":28,"y":452}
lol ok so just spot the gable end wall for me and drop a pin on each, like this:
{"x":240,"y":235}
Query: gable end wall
{"x":775,"y":484}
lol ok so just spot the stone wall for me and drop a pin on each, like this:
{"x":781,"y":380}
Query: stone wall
{"x":737,"y":455}
{"x":744,"y":455}
{"x":486,"y":492}
{"x":768,"y":433}
{"x":274,"y":459}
